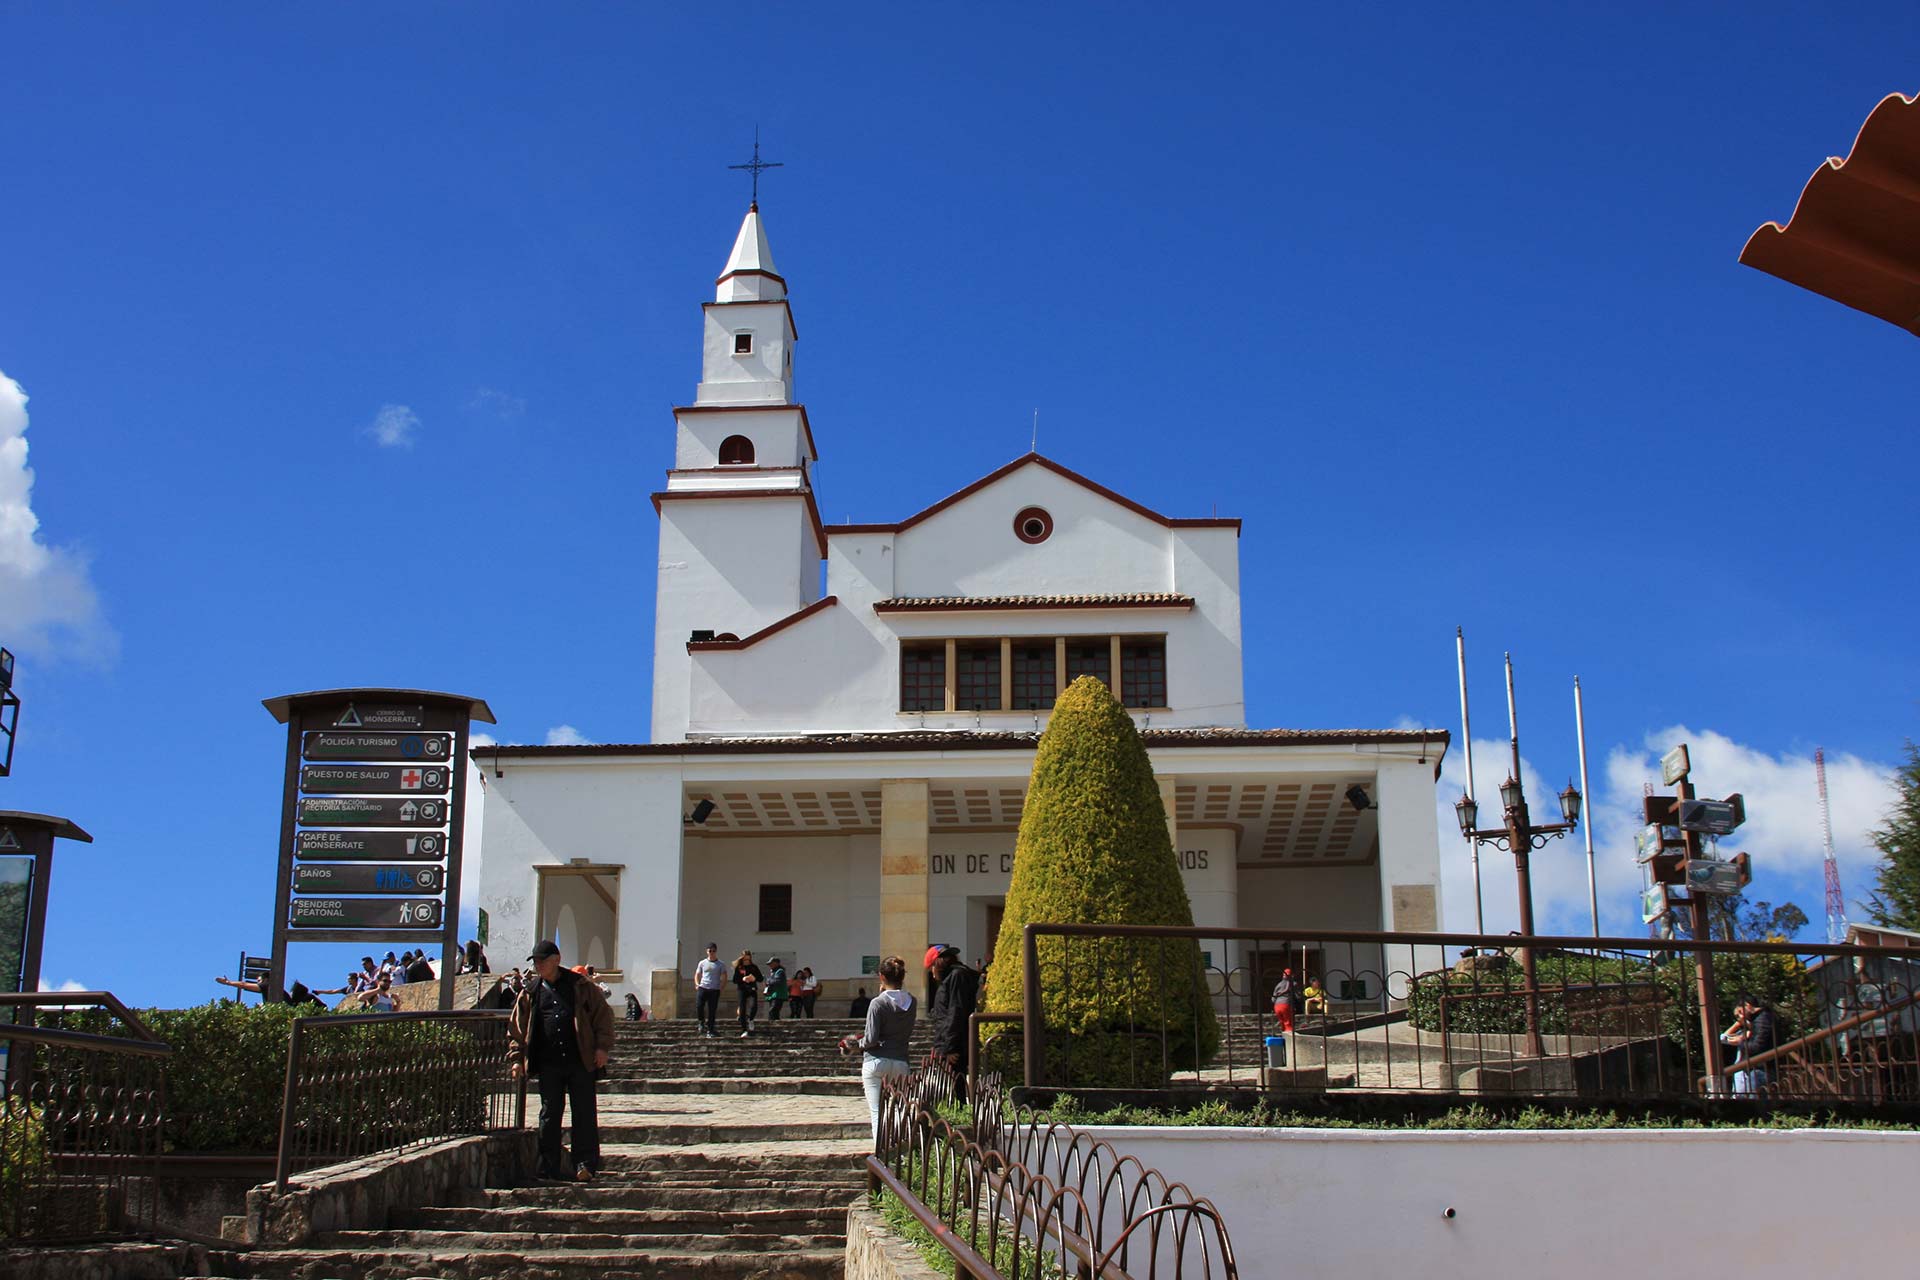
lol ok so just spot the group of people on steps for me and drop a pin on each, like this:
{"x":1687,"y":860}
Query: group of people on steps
{"x":795,"y":993}
{"x":560,"y":1034}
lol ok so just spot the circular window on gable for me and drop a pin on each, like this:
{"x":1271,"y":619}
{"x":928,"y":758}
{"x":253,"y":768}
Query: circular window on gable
{"x":1033,"y":524}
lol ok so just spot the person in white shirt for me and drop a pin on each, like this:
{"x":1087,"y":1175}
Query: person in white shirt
{"x":709,"y":978}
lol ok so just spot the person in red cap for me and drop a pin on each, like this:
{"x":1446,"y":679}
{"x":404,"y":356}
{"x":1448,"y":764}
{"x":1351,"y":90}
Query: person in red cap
{"x":1283,"y":998}
{"x":954,"y":1001}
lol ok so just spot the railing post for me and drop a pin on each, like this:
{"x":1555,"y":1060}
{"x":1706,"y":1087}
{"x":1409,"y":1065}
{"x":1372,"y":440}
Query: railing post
{"x":284,"y":1164}
{"x":1034,"y":1035}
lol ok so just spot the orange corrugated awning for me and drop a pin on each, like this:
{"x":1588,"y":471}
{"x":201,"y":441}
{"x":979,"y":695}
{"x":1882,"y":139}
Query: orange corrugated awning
{"x":1855,"y":235}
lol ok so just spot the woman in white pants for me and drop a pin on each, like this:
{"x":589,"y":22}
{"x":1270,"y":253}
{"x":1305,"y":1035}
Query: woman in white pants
{"x":889,"y":1031}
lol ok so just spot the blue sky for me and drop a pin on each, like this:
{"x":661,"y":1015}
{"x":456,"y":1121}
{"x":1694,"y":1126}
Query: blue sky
{"x":1353,"y":276}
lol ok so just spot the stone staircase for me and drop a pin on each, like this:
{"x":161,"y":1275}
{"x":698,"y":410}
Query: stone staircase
{"x":725,"y":1158}
{"x":647,"y":1055}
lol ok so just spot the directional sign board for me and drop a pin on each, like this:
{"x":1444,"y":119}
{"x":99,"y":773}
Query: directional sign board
{"x":1674,"y":765}
{"x":423,"y":748}
{"x":1654,"y":838}
{"x":348,"y":846}
{"x":364,"y":878}
{"x":1711,"y":875}
{"x":1715,"y":817}
{"x":366,"y":913}
{"x":1653,"y":903}
{"x":372,"y":811}
{"x":371,"y":826}
{"x":377,"y":779}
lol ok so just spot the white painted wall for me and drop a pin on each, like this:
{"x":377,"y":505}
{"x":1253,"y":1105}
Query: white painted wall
{"x":836,"y":899}
{"x":1409,"y":852}
{"x":1594,"y":1205}
{"x":726,"y":565}
{"x":841,"y":673}
{"x":778,"y":439}
{"x":549,"y":814}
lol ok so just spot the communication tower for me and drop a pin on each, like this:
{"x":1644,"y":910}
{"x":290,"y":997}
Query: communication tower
{"x":1836,"y":901}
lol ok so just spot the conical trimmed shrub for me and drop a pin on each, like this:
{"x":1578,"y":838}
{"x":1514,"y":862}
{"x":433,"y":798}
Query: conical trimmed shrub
{"x":1093,"y":849}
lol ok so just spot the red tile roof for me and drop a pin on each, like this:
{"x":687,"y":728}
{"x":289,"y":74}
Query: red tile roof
{"x":960,"y":740}
{"x":957,"y":604}
{"x":1855,"y":235}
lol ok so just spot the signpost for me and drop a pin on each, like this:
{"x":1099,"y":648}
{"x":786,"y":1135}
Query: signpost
{"x":373,"y":799}
{"x":1681,"y":845}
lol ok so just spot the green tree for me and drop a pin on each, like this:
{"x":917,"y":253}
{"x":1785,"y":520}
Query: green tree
{"x":1093,"y":849}
{"x":1895,"y":902}
{"x":1764,"y":922}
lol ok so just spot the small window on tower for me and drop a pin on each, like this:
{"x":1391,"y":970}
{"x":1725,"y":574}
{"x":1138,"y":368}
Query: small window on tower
{"x":736,"y":451}
{"x":743,"y":344}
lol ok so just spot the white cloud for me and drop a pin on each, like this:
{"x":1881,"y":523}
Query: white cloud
{"x":394,"y":427}
{"x":565,"y":735}
{"x":47,"y":597}
{"x":483,"y":740}
{"x":68,"y":985}
{"x":500,"y":403}
{"x":1782,"y":831}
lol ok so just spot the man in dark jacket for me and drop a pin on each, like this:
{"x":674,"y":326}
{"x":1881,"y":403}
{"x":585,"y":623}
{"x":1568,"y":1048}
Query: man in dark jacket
{"x":561,"y":1028}
{"x":955,"y":996}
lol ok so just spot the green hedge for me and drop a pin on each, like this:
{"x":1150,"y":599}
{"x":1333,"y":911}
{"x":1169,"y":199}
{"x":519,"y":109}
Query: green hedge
{"x":1093,"y":849}
{"x":226,"y":1075}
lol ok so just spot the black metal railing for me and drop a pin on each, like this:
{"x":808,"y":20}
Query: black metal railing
{"x":1009,"y":1196}
{"x":81,"y":1116}
{"x":361,"y":1083}
{"x":1607,"y":1019}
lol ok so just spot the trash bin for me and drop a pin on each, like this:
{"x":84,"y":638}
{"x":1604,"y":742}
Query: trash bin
{"x":1276,"y":1051}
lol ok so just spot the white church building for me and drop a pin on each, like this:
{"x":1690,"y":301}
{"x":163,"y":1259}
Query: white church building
{"x":836,"y":774}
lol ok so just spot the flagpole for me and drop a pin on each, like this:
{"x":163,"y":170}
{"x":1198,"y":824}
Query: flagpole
{"x":1466,"y":737}
{"x":1580,"y":733}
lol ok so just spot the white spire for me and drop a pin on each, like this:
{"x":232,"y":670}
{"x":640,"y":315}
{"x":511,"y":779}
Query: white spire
{"x":750,"y":275}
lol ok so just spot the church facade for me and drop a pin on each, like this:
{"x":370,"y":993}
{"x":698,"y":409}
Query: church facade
{"x":837,"y":761}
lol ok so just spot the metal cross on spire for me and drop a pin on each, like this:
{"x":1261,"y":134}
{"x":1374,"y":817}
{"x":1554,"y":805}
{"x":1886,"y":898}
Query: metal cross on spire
{"x":755,"y":166}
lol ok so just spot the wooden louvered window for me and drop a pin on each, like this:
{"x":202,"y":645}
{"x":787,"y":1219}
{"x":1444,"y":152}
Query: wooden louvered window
{"x":1143,"y":672}
{"x":1034,"y":679}
{"x":923,"y":676}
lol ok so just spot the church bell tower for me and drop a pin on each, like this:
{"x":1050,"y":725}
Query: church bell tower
{"x":740,"y":535}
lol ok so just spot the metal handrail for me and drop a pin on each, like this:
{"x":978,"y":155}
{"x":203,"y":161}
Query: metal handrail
{"x":82,"y":1114}
{"x":368,"y":1077}
{"x":1610,"y":1049}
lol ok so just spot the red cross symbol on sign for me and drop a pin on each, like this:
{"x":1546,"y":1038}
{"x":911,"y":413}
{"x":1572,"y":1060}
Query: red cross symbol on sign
{"x":410,"y":780}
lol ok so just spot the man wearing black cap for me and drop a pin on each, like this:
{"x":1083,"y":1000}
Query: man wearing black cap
{"x":955,"y":996}
{"x":562,"y":1027}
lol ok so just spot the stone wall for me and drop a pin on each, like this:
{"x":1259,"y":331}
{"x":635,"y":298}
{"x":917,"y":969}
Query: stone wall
{"x":359,"y":1194}
{"x":874,"y":1252}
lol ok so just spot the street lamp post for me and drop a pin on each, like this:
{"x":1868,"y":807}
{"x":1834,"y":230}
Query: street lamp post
{"x":1521,"y":836}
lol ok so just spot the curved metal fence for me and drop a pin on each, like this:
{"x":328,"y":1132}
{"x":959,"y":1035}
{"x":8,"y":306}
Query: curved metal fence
{"x":1010,"y":1196}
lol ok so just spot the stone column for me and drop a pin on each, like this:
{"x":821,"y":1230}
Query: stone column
{"x":1409,"y":858}
{"x":903,"y":869}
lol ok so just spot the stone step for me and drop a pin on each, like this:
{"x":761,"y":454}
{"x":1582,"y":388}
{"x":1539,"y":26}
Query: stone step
{"x":547,"y":1264}
{"x":535,"y":1241}
{"x":614,"y":1130}
{"x":718,"y":1200}
{"x":826,"y":1086}
{"x":756,"y":1216}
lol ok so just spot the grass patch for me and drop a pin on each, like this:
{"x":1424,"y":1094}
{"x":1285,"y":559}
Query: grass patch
{"x":1264,"y":1114}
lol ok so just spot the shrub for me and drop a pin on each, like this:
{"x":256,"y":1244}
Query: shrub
{"x":226,"y":1074}
{"x":1093,"y":849}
